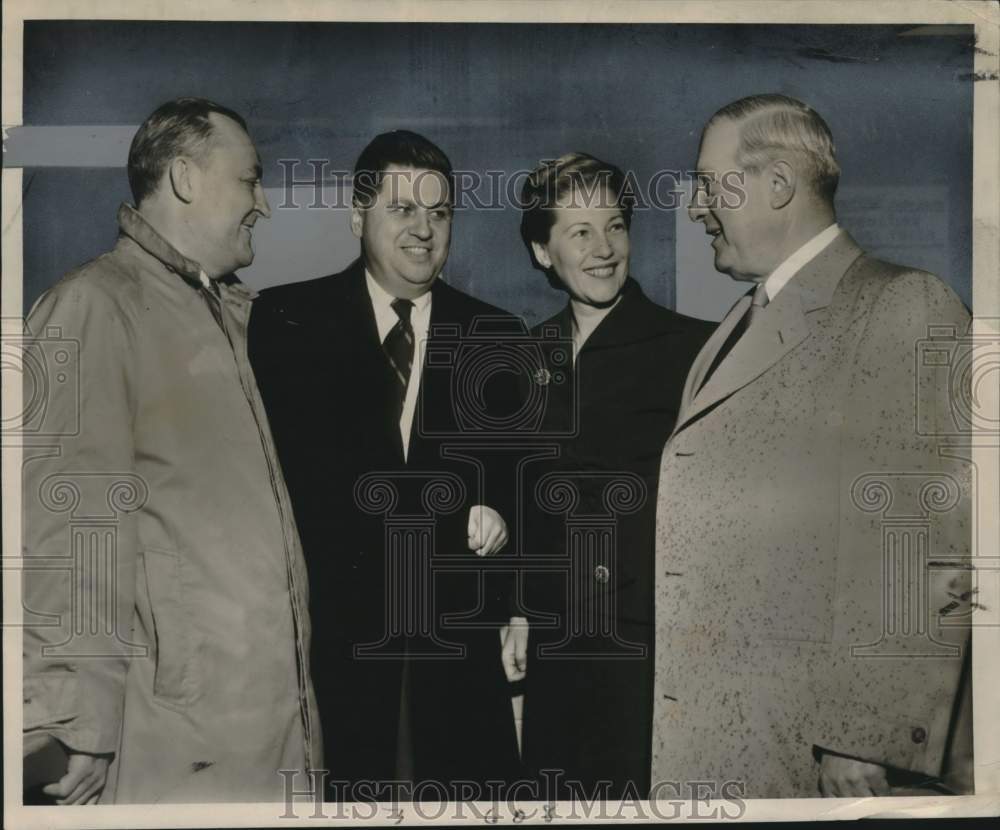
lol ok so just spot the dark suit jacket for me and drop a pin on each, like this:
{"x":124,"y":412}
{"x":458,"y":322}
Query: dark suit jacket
{"x":329,"y":394}
{"x":588,"y":702}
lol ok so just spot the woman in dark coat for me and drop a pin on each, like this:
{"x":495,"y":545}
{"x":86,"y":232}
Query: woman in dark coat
{"x":591,"y":511}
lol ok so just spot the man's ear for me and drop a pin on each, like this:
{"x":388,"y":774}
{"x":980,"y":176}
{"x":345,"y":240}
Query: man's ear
{"x":357,"y":221}
{"x":541,"y":254}
{"x":782,"y":184}
{"x":183,"y":178}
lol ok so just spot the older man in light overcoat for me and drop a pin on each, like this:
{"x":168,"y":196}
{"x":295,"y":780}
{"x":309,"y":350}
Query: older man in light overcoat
{"x":811,"y":601}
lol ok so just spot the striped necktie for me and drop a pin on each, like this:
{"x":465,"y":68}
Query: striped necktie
{"x":398,"y":347}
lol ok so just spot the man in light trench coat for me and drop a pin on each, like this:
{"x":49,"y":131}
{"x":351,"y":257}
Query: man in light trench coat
{"x":166,"y":634}
{"x":811,"y":600}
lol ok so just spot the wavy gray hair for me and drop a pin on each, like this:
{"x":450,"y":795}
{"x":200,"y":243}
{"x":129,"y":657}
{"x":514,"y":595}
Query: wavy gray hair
{"x":772,"y":125}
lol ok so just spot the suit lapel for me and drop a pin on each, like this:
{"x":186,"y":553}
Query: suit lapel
{"x":363,"y":349}
{"x":359,"y":320}
{"x":433,"y":395}
{"x":781,"y":327}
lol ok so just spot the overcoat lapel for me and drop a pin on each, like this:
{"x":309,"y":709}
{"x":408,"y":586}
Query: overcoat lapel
{"x":706,"y":357}
{"x":781,"y":327}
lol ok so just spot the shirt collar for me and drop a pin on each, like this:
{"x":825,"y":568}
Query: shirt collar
{"x":385,"y":314}
{"x":135,"y":226}
{"x":780,"y":276}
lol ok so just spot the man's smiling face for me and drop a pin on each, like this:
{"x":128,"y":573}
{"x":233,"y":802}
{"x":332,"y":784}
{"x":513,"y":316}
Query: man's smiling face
{"x":742,"y":231}
{"x":406,"y":230}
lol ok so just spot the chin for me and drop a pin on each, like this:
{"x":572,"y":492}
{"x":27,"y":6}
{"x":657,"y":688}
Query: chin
{"x":723,"y":267}
{"x":423,"y":276}
{"x":599,"y":300}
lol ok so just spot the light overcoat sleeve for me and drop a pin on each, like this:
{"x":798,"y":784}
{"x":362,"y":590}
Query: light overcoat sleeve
{"x":79,"y":534}
{"x":887,"y":693}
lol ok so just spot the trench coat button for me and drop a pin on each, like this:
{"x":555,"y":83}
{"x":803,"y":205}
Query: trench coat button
{"x":602,"y":574}
{"x":918,"y":734}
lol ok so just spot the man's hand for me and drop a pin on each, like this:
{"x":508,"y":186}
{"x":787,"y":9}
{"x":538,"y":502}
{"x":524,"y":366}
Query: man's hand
{"x":850,"y":778}
{"x":83,"y":782}
{"x":514,"y":652}
{"x":487,"y":530}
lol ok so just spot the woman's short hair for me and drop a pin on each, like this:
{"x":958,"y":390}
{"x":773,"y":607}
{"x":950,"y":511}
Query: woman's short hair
{"x":177,"y":128}
{"x":554,"y":180}
{"x":773,"y":124}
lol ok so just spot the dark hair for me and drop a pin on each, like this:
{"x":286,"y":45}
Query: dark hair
{"x":553,"y":180}
{"x":773,"y":124}
{"x":404,"y":149}
{"x":178,"y":127}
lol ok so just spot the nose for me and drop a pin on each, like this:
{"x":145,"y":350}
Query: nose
{"x":602,"y":248}
{"x":260,"y":202}
{"x":696,"y":211}
{"x":698,"y":206}
{"x":421,"y":226}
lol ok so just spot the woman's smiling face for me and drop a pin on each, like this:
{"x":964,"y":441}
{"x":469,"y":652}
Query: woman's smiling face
{"x":588,"y":247}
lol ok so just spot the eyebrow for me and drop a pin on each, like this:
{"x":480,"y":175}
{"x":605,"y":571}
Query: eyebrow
{"x":583,"y":223}
{"x":409,"y":200}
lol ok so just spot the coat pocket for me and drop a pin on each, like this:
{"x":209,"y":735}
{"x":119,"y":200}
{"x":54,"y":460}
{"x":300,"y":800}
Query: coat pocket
{"x":173,"y":681}
{"x":50,"y":698}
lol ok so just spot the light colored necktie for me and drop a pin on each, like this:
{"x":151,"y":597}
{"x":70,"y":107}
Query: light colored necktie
{"x":757,"y":304}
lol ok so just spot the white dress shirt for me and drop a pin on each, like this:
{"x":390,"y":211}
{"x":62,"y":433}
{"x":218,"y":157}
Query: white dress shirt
{"x":420,"y":320}
{"x":780,"y":276}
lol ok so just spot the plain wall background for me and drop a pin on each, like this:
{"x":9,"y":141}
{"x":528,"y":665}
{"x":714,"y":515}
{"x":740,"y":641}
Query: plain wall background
{"x":502,"y":97}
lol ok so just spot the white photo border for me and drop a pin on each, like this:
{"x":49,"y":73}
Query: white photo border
{"x":984,"y":15}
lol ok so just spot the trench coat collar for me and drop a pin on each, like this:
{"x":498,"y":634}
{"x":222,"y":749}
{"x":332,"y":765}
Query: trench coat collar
{"x":135,"y":227}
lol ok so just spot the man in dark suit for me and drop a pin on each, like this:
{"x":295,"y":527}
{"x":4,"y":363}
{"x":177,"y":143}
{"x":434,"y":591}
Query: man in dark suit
{"x":383,"y":481}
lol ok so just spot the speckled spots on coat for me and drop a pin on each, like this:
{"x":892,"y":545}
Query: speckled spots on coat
{"x":780,"y":574}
